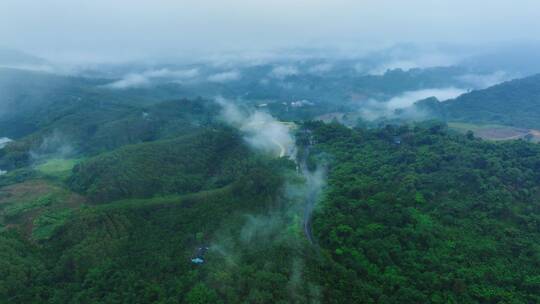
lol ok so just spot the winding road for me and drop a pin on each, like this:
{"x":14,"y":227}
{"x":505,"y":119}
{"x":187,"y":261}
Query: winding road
{"x":282,"y":149}
{"x":312,"y":193}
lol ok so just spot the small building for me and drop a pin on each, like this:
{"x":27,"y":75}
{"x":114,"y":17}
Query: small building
{"x":199,"y":256}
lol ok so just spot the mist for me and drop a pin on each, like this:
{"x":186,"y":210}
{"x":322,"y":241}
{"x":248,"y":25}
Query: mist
{"x":120,"y":31}
{"x":225,"y":77}
{"x":373,"y":109}
{"x":146,"y":78}
{"x":53,"y":145}
{"x":261,"y":131}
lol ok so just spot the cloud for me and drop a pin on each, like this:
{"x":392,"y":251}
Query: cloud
{"x":135,"y":29}
{"x":372,"y":109}
{"x":173,"y":74}
{"x":399,"y":64}
{"x":261,"y":131}
{"x":225,"y":77}
{"x":4,"y":141}
{"x":144,"y":79}
{"x":420,"y":60}
{"x":482,"y":81}
{"x":407,"y":99}
{"x":54,"y":145}
{"x":321,"y":68}
{"x":130,"y":81}
{"x":284,"y":71}
{"x":31,"y":67}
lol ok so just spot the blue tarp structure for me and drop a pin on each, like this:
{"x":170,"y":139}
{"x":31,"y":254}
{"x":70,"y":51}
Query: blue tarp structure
{"x":199,"y":257}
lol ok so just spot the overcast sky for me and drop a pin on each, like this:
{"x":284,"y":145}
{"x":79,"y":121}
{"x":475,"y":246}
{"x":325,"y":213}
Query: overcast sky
{"x":122,"y":29}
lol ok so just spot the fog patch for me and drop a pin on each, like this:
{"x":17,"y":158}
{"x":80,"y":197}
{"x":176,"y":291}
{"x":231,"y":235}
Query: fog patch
{"x":359,"y":67}
{"x":130,"y":81}
{"x":288,"y":223}
{"x":259,"y":228}
{"x":409,"y":98}
{"x":4,"y":141}
{"x":482,"y":81}
{"x":371,"y":110}
{"x":173,"y":74}
{"x":55,"y":145}
{"x":30,"y":67}
{"x":421,"y":61}
{"x":225,"y":77}
{"x":146,"y":78}
{"x":321,"y":68}
{"x":260,"y":130}
{"x":284,"y":71}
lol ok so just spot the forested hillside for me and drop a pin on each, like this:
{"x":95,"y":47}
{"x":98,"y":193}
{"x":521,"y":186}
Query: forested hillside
{"x":194,"y":191}
{"x":269,"y":152}
{"x":513,"y":103}
{"x":109,"y":196}
{"x":202,"y":160}
{"x":91,"y":128}
{"x":31,"y":101}
{"x":411,"y":214}
{"x":420,"y":215}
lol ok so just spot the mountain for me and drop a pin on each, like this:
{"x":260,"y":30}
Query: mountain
{"x":409,"y":215}
{"x":11,"y":57}
{"x":513,"y":103}
{"x":419,"y":215}
{"x":138,"y":195}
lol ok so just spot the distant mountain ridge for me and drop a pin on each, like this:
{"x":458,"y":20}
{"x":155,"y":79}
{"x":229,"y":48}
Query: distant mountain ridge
{"x":513,"y":103}
{"x":13,"y":57}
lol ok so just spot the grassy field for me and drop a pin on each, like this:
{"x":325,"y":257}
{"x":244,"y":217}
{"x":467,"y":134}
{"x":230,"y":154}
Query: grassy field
{"x":57,"y":168}
{"x":495,"y":132}
{"x":463,"y":126}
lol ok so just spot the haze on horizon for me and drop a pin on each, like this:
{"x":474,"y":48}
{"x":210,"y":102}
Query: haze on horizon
{"x":101,"y":30}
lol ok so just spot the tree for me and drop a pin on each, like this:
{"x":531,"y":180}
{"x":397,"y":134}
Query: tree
{"x":201,"y":294}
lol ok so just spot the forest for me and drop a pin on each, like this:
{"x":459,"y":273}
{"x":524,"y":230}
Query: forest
{"x":513,"y":103}
{"x":289,"y":180}
{"x":410,"y":214}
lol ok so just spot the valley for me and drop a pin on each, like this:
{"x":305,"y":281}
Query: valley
{"x":223,"y":154}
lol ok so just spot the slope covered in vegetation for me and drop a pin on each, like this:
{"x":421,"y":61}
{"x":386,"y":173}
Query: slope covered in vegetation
{"x":513,"y":103}
{"x":410,"y":215}
{"x":91,"y":128}
{"x":203,"y":160}
{"x":418,"y":215}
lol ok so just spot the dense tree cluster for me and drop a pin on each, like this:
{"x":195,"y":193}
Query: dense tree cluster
{"x":203,"y":160}
{"x":410,"y":214}
{"x":513,"y":103}
{"x":418,"y":215}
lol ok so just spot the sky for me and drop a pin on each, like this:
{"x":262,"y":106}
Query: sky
{"x":101,"y":30}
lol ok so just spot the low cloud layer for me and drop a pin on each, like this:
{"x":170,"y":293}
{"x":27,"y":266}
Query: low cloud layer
{"x":4,"y":141}
{"x":414,"y":61}
{"x":407,"y":99}
{"x":224,"y":77}
{"x":321,"y":68}
{"x":372,"y":109}
{"x":130,"y":29}
{"x":284,"y":71}
{"x":138,"y":80}
{"x":54,"y":145}
{"x":482,"y":81}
